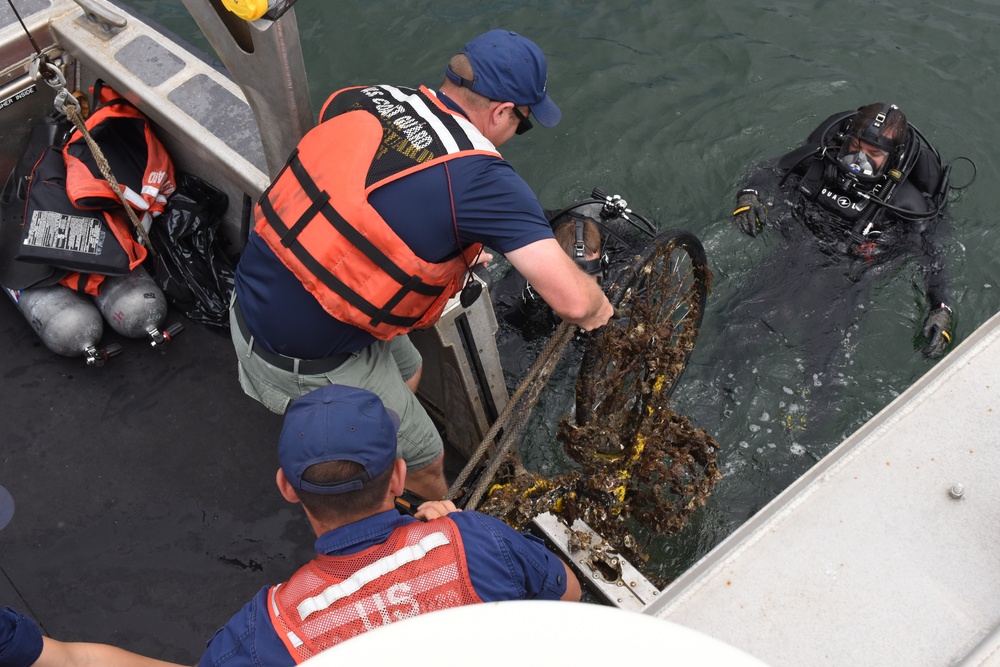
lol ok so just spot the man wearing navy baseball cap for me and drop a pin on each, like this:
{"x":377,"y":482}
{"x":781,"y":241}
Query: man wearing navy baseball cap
{"x":374,"y":566}
{"x":337,"y":452}
{"x":375,"y":225}
{"x":506,"y":66}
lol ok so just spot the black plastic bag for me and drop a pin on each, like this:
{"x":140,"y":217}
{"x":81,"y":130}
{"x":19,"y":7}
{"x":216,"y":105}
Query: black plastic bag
{"x":192,"y":268}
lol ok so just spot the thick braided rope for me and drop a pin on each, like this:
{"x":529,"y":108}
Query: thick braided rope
{"x":519,"y":405}
{"x":73,"y":113}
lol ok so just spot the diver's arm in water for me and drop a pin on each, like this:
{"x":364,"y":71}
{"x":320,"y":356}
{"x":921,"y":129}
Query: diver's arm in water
{"x":754,"y":197}
{"x":769,"y":180}
{"x":937,"y":326}
{"x":750,"y":214}
{"x":572,"y":294}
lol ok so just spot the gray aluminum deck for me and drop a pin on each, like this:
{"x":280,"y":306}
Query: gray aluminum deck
{"x":870,"y":558}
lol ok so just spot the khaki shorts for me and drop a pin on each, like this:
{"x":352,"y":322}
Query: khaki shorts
{"x":382,"y":368}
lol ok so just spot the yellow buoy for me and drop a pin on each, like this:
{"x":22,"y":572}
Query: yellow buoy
{"x":248,"y":10}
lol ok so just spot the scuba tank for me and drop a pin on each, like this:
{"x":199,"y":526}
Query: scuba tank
{"x":65,"y":320}
{"x":135,"y":307}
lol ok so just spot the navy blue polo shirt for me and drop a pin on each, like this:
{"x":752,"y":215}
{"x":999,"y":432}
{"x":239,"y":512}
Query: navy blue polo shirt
{"x":503,"y":565}
{"x":493,"y":206}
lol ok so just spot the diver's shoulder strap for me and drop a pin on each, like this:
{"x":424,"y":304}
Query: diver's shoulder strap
{"x":811,"y":153}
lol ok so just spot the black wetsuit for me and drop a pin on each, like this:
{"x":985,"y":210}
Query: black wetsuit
{"x":800,"y":189}
{"x":811,"y":293}
{"x":525,"y":321}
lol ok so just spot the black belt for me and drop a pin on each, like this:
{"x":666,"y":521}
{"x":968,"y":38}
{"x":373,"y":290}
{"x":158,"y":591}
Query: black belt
{"x":290,"y":364}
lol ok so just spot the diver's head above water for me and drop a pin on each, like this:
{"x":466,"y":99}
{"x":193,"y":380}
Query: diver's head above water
{"x":874,"y":139}
{"x":581,"y":239}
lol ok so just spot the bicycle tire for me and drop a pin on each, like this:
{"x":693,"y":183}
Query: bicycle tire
{"x":671,"y":278}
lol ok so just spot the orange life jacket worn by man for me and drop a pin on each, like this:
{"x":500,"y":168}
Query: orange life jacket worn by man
{"x":373,"y":224}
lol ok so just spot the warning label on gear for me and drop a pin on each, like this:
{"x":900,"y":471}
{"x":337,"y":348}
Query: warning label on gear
{"x":51,"y":229}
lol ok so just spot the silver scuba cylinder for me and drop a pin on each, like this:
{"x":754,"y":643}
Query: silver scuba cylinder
{"x":133,"y":304}
{"x":66,"y":321}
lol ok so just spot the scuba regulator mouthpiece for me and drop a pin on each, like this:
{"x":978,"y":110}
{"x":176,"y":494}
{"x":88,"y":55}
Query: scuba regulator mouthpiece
{"x":859,"y":164}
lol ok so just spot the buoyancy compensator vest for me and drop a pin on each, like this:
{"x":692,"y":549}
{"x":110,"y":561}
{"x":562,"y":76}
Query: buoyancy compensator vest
{"x":15,"y":274}
{"x":316,"y":217}
{"x":914,"y":165}
{"x":58,"y":233}
{"x":73,"y":219}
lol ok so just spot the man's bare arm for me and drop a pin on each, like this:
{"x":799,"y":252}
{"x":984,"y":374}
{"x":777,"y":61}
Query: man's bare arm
{"x":571,"y":293}
{"x":79,"y":654}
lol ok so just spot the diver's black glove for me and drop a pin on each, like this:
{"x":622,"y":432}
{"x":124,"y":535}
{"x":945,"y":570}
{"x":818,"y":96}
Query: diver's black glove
{"x":750,"y":214}
{"x":937,"y":328}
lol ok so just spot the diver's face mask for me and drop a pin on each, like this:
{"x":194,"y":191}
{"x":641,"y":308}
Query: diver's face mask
{"x":593,"y":267}
{"x":861,"y":160}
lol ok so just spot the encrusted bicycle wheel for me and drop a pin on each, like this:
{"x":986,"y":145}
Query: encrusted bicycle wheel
{"x":634,"y":364}
{"x":640,"y":469}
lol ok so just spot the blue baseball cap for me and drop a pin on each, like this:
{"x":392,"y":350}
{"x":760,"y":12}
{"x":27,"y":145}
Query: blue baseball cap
{"x":337,"y":423}
{"x":510,"y":68}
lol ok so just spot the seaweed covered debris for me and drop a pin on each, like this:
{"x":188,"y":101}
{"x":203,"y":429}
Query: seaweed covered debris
{"x":636,"y":462}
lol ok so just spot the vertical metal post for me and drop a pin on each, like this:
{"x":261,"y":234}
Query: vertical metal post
{"x":269,"y":67}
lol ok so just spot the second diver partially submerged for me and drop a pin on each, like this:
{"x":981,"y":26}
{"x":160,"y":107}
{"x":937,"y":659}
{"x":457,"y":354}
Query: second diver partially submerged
{"x":870,"y":188}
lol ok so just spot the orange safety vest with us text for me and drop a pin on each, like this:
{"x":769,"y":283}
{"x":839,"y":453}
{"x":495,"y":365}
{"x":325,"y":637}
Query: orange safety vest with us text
{"x":419,"y":569}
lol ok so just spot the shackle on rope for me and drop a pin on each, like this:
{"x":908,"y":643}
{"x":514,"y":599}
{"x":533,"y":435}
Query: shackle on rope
{"x":41,"y":67}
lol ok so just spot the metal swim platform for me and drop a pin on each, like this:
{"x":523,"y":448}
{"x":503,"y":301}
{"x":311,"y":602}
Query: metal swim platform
{"x":887,"y":552}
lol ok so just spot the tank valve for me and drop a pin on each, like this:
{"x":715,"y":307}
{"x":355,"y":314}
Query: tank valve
{"x":159,"y":339}
{"x":614,"y":205}
{"x":98,"y":356}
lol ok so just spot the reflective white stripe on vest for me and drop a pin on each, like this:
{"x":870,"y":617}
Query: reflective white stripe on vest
{"x":426,"y":115}
{"x":368,"y":574}
{"x":154,"y":192}
{"x":479,"y":142}
{"x":132,"y":197}
{"x":292,"y":637}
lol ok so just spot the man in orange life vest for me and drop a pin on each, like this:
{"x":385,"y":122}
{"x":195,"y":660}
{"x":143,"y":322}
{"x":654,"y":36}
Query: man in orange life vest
{"x":337,"y":451}
{"x":372,"y":225}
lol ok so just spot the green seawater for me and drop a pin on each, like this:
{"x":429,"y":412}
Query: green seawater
{"x":668,"y":103}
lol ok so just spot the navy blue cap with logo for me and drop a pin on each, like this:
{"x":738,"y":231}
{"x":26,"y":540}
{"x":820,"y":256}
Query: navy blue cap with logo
{"x":510,"y":68}
{"x":337,"y":423}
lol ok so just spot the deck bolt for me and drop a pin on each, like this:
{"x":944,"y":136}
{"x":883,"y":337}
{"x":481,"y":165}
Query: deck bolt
{"x":957,"y":491}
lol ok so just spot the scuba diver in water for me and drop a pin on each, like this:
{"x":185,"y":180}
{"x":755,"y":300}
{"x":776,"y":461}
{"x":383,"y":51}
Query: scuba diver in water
{"x":596,"y":232}
{"x":580,"y":238}
{"x":869,"y":187}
